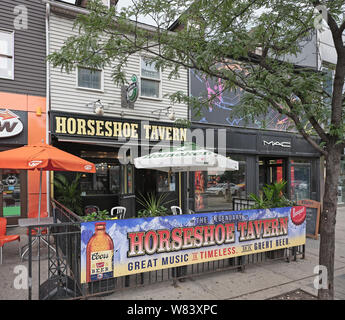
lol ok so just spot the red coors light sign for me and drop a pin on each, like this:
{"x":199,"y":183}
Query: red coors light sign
{"x":10,"y":124}
{"x":298,"y":215}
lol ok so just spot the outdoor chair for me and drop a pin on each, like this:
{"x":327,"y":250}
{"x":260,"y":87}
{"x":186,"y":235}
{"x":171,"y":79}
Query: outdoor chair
{"x":120,"y":212}
{"x":176,"y":210}
{"x":6,"y":238}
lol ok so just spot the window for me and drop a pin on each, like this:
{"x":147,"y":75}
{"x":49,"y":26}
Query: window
{"x":90,"y":79}
{"x":215,"y":192}
{"x":165,"y":182}
{"x":106,"y":180}
{"x":300,"y":179}
{"x":150,"y":82}
{"x":6,"y":55}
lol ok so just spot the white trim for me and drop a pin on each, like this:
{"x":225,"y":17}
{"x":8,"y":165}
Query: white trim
{"x":150,"y":98}
{"x":47,"y":25}
{"x":12,"y":32}
{"x":86,"y":88}
{"x":151,"y":79}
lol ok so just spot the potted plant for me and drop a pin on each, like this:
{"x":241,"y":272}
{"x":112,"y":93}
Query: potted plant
{"x":98,"y":216}
{"x":68,"y":192}
{"x":272,"y":197}
{"x":153,"y":205}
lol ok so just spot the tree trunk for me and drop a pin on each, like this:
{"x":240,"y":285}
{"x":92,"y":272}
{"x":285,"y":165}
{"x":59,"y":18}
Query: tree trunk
{"x":328,"y":220}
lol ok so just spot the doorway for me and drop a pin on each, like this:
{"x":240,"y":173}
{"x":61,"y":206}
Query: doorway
{"x":13,"y":195}
{"x":271,"y":170}
{"x":157,"y":183}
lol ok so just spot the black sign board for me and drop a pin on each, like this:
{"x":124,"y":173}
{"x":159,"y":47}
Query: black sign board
{"x":115,"y":129}
{"x":313,"y":217}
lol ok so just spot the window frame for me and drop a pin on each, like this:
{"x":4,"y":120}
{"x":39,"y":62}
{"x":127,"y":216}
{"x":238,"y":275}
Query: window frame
{"x":150,"y":79}
{"x":86,"y":88}
{"x":12,"y":33}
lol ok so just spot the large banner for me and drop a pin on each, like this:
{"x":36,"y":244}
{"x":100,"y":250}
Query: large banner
{"x":115,"y":248}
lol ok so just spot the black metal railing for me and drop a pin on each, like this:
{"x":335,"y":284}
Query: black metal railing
{"x":56,"y":271}
{"x":242,"y":204}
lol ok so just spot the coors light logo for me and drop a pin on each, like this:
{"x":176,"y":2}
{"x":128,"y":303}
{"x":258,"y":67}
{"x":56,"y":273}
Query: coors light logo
{"x":10,"y":124}
{"x":298,"y":215}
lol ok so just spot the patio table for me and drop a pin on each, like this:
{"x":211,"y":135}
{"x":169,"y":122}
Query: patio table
{"x":29,"y":222}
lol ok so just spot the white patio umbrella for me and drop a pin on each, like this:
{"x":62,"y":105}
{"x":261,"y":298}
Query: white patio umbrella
{"x":186,"y":158}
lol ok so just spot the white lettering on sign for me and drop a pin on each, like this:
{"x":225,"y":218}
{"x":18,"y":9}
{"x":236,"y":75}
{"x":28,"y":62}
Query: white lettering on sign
{"x":10,"y":124}
{"x":284,"y":144}
{"x":34,"y":163}
{"x":296,"y":213}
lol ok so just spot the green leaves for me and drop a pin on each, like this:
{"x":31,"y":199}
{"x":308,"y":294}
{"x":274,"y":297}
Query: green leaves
{"x":249,"y":44}
{"x":272,"y":197}
{"x":68,"y":192}
{"x":97,"y":216}
{"x":153,"y":205}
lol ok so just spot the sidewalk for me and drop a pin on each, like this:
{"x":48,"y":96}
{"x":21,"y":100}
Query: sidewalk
{"x":259,"y":282}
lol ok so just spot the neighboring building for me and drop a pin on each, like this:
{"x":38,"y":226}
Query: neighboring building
{"x":268,"y":150}
{"x":93,"y":118}
{"x":22,"y":101}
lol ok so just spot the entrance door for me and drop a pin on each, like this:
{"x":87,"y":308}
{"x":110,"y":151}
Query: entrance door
{"x":271,"y":170}
{"x":13,"y":195}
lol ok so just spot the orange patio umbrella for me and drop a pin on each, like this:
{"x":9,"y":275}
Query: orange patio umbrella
{"x":43,"y":157}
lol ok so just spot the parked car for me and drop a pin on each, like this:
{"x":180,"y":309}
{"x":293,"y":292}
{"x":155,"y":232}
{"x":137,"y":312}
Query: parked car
{"x":218,"y":189}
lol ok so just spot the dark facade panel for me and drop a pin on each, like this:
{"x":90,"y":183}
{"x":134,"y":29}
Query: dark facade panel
{"x":261,"y":142}
{"x":29,"y":47}
{"x":236,"y":141}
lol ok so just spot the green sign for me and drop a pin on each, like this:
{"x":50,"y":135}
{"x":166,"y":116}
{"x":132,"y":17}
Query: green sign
{"x":132,"y":90}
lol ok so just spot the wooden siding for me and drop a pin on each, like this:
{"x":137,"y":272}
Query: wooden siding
{"x":65,"y":96}
{"x":29,"y":48}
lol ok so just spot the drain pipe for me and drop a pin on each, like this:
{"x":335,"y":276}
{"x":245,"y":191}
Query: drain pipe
{"x":47,"y":102}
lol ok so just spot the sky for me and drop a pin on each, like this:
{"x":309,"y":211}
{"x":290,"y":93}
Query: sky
{"x":122,"y":4}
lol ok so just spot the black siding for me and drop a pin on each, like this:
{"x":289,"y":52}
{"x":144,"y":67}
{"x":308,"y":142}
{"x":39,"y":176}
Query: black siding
{"x":29,"y":48}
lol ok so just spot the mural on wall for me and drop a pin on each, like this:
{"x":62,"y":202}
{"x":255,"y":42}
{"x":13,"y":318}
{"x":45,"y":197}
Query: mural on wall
{"x":222,"y":108}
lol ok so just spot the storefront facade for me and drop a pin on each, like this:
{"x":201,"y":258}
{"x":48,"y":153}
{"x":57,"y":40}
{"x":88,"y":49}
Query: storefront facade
{"x":22,"y":102}
{"x":265,"y":155}
{"x":112,"y":144}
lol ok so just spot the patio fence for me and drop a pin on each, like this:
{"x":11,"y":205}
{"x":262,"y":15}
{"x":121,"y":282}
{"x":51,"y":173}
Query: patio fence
{"x":241,"y":204}
{"x":54,"y":269}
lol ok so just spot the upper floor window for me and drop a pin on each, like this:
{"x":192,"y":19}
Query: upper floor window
{"x":6,"y":55}
{"x":150,"y":79}
{"x":90,"y":79}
